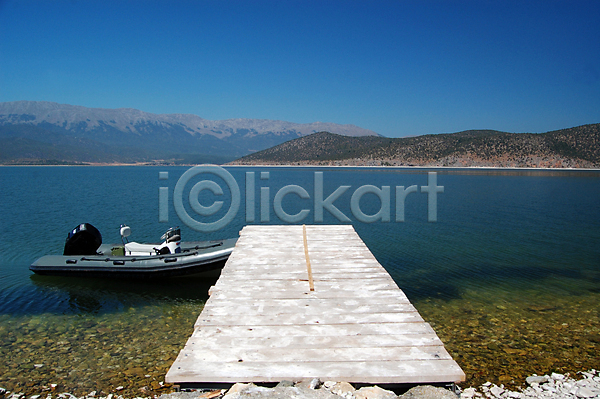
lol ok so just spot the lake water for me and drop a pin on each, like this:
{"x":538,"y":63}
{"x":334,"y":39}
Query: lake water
{"x":508,"y":275}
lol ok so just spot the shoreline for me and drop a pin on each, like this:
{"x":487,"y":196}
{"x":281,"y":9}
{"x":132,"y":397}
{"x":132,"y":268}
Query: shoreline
{"x":409,"y":167}
{"x":586,"y":384}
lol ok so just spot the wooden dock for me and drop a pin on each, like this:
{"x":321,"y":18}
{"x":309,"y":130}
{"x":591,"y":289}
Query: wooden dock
{"x":262,"y":323}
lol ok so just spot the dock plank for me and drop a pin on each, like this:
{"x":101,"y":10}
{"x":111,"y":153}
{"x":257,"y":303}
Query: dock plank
{"x":300,"y":354}
{"x":372,"y":329}
{"x":211,"y":341}
{"x":383,"y":372}
{"x":263,"y":324}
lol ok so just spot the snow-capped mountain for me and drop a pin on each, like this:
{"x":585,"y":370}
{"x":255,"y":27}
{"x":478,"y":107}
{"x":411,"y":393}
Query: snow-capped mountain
{"x":158,"y":133}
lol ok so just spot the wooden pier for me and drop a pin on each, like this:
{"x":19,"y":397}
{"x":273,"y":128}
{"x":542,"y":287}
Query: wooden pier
{"x":262,"y":322}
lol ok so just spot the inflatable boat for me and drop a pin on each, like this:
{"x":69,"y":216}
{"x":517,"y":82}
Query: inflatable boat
{"x":85,"y":255}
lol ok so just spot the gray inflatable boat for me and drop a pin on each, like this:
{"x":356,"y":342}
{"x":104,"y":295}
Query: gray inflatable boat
{"x":85,"y":255}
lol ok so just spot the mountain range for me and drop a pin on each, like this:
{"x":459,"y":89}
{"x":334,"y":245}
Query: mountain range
{"x":47,"y":132}
{"x":38,"y":132}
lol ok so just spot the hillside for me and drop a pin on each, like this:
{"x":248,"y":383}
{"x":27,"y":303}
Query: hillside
{"x":574,"y":147}
{"x":46,"y":132}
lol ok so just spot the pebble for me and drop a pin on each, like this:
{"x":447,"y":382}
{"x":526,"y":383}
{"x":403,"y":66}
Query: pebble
{"x":343,"y":389}
{"x":496,"y":391}
{"x":538,"y":379}
{"x":375,"y":393}
{"x":584,"y":392}
{"x":554,"y":386}
{"x":428,"y":392}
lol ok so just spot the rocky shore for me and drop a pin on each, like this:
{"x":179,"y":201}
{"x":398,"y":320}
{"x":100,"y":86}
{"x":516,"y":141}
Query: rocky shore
{"x":553,"y":386}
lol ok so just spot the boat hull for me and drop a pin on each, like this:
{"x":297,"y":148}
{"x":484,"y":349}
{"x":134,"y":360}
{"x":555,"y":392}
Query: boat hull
{"x":195,"y":258}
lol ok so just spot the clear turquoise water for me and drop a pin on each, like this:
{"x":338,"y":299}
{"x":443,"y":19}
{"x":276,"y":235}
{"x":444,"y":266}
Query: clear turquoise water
{"x":507,"y":246}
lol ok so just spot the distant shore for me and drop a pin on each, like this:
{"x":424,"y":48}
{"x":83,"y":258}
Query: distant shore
{"x":474,"y":168}
{"x":410,"y":167}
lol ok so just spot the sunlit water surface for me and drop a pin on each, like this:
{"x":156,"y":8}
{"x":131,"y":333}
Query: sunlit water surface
{"x":508,"y":276}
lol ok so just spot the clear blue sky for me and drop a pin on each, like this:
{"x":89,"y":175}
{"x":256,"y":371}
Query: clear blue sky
{"x":396,"y":67}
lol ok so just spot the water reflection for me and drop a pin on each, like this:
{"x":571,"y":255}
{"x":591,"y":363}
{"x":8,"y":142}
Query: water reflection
{"x":85,"y":295}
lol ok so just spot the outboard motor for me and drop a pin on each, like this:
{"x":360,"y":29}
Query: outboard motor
{"x":84,"y":239}
{"x":172,"y":235}
{"x":172,"y":241}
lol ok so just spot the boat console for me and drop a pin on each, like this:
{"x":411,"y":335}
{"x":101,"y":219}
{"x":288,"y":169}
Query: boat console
{"x":170,"y":245}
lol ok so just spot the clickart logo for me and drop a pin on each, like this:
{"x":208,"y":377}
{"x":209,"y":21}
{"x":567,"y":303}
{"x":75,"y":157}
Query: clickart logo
{"x":203,"y":219}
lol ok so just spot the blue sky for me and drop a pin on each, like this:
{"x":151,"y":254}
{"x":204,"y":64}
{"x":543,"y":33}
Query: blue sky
{"x":396,"y":67}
